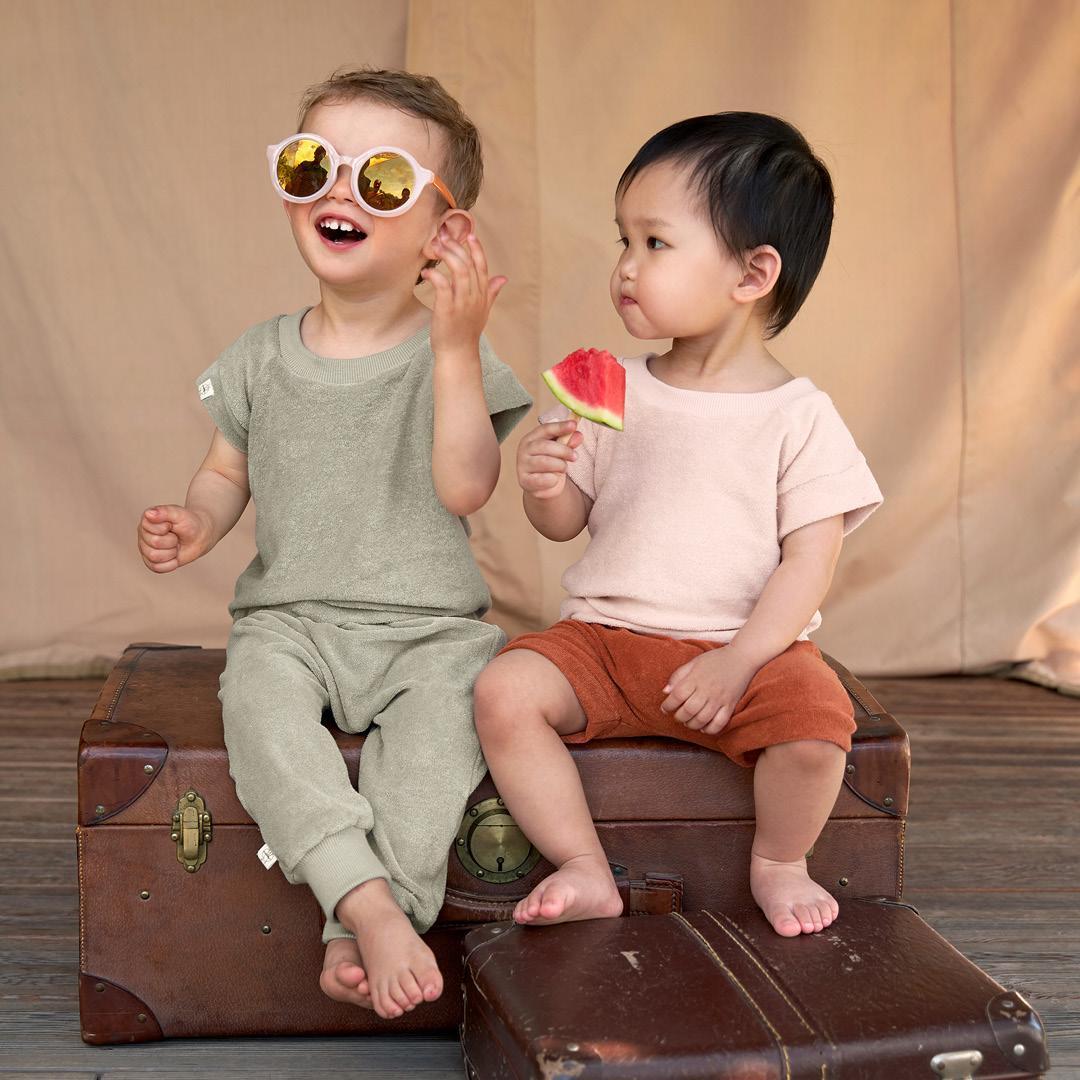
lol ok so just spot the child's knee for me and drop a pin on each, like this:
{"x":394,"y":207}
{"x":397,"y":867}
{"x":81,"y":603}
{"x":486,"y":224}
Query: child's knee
{"x":512,"y":691}
{"x":492,"y":696}
{"x":811,"y":756}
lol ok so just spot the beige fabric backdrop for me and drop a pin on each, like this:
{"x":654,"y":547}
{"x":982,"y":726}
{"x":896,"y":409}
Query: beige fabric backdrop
{"x":942,"y":325}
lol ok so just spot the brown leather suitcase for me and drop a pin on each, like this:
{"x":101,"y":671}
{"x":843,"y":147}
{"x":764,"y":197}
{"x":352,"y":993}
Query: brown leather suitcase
{"x":184,"y":933}
{"x":876,"y":996}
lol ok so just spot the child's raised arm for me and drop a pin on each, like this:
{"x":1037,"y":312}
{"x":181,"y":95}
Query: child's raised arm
{"x":172,"y":536}
{"x":465,"y":452}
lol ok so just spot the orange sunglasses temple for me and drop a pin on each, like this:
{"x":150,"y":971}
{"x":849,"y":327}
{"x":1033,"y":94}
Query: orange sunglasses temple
{"x":444,"y":191}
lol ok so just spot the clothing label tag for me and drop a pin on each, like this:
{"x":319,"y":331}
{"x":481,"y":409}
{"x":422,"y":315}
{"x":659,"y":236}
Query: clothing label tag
{"x":266,"y":856}
{"x":206,"y":389}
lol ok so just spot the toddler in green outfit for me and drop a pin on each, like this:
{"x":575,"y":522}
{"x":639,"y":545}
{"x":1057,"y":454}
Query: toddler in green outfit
{"x":365,"y":429}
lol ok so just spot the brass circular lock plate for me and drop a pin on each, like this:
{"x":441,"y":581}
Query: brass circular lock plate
{"x":491,"y":846}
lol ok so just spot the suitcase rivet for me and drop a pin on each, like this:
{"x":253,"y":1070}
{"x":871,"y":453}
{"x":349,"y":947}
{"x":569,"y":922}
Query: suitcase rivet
{"x":141,"y":1018}
{"x":1008,"y":1003}
{"x":1018,"y":1049}
{"x":191,"y":796}
{"x":573,"y":1047}
{"x":148,"y":768}
{"x":191,"y":869}
{"x":849,"y":768}
{"x":520,"y":873}
{"x":176,"y":836}
{"x":461,"y":841}
{"x":266,"y":928}
{"x":99,"y":987}
{"x":500,"y":802}
{"x":888,"y":800}
{"x":144,"y":895}
{"x":99,"y":809}
{"x":843,"y":881}
{"x":473,"y":812}
{"x":479,"y":873}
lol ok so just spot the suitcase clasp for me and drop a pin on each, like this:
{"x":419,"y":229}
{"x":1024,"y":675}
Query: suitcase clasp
{"x":491,"y":846}
{"x":957,"y":1064}
{"x":192,"y":830}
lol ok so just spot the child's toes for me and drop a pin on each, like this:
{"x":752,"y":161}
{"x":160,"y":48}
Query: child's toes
{"x":429,"y":979}
{"x":432,"y":986}
{"x":351,"y":975}
{"x":553,"y":906}
{"x":385,"y":1005}
{"x":411,"y":989}
{"x":784,"y":921}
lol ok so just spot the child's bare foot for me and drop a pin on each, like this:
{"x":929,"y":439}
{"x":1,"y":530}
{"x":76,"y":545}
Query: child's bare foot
{"x":342,"y":977}
{"x":582,"y":888}
{"x":401,"y":969}
{"x":792,"y":901}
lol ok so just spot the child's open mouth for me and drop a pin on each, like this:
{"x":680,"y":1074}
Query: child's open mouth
{"x":339,"y":233}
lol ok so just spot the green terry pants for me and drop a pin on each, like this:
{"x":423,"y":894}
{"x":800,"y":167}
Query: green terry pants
{"x":406,"y":681}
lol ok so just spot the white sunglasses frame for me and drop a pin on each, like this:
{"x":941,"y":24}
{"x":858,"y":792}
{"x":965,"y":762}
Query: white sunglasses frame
{"x":423,"y":176}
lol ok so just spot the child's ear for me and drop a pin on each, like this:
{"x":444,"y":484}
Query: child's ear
{"x":761,"y":268}
{"x":458,"y":223}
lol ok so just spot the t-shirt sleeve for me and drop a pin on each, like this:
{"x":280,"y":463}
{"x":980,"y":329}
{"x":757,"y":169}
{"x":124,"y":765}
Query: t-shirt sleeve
{"x":223,"y":389}
{"x":582,"y":470}
{"x":822,"y":472}
{"x":507,"y":400}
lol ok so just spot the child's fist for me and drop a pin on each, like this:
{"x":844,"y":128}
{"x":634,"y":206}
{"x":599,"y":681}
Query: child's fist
{"x":171,"y":537}
{"x":542,"y":456}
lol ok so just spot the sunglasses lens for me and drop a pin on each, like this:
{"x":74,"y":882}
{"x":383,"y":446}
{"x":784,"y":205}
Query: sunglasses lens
{"x":386,"y":181}
{"x":302,"y":168}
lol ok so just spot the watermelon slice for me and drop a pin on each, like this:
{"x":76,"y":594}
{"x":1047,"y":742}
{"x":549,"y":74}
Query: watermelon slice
{"x":592,"y":383}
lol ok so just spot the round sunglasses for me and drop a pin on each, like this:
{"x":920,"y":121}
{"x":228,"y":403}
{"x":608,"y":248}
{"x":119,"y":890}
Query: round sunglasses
{"x":386,"y":180}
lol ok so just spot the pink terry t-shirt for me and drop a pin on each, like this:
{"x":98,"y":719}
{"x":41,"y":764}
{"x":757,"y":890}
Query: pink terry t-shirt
{"x":694,"y":496}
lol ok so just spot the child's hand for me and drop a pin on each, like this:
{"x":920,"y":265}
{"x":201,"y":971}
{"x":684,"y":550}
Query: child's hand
{"x":541,"y":459}
{"x":171,"y":537}
{"x":704,"y":691}
{"x":463,"y":294}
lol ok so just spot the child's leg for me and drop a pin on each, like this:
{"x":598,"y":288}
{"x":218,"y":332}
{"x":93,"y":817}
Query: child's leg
{"x":289,"y":772}
{"x":420,"y":762}
{"x":523,"y":704}
{"x":795,"y":788}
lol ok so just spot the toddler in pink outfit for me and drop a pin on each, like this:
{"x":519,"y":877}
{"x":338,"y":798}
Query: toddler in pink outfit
{"x":715,"y":518}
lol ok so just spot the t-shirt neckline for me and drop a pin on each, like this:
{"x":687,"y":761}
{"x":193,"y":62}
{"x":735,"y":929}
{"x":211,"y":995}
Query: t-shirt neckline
{"x":302,"y":361}
{"x":710,"y":402}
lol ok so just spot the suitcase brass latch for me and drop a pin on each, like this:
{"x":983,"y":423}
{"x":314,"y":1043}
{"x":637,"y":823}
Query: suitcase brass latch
{"x":957,"y":1065}
{"x":192,"y":830}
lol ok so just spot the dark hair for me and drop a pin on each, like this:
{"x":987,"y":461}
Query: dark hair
{"x":761,"y":184}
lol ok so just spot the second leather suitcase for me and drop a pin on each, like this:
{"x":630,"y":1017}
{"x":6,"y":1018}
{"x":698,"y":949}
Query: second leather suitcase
{"x":878,"y":995}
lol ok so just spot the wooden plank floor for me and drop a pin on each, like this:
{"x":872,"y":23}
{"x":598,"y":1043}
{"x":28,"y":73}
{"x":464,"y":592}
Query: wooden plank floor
{"x":993,"y":863}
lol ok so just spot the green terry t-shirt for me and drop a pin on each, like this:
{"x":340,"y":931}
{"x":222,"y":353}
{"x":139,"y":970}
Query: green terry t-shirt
{"x":339,"y":465}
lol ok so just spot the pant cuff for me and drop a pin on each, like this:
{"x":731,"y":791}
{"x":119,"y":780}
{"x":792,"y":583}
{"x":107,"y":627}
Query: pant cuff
{"x":333,"y":930}
{"x":337,"y":864}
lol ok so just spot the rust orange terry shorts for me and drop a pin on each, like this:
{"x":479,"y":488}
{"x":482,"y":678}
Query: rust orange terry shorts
{"x":619,"y":676}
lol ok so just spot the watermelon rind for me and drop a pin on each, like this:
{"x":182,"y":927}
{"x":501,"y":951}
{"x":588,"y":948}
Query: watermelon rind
{"x":597,"y":415}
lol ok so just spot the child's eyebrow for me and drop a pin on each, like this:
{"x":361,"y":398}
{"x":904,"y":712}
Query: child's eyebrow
{"x":648,"y":223}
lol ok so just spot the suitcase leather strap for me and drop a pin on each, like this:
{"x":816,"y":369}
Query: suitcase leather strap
{"x":643,"y":893}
